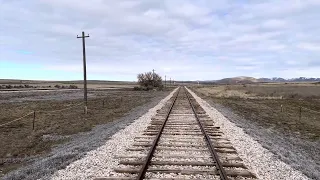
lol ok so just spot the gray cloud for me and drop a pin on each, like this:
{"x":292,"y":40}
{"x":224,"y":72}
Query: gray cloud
{"x":188,"y":39}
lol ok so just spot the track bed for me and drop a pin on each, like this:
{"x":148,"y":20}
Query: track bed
{"x":181,"y":142}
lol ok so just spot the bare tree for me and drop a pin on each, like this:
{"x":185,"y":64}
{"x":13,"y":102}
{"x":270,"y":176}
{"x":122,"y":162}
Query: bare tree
{"x":149,"y":79}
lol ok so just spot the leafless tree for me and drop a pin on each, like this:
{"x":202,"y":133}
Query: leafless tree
{"x":149,"y":79}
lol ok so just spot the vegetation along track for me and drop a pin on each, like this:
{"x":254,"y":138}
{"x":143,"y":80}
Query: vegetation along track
{"x":181,"y":143}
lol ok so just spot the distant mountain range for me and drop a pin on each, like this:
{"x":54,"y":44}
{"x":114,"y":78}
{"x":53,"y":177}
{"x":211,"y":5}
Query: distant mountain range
{"x":300,"y":79}
{"x":248,"y":80}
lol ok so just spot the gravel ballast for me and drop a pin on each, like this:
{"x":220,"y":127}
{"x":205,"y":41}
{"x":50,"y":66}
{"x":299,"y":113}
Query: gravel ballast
{"x":257,"y":158}
{"x":100,"y":162}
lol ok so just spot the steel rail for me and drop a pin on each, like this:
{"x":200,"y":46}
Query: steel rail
{"x":144,"y":167}
{"x":220,"y":169}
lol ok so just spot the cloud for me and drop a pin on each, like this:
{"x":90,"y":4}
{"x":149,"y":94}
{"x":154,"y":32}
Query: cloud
{"x":275,"y":24}
{"x":24,"y":52}
{"x":309,"y":46}
{"x":183,"y":39}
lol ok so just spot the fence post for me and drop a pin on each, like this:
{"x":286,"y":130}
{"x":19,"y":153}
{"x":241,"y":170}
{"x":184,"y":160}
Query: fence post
{"x":281,"y":108}
{"x":85,"y":110}
{"x":34,"y":119}
{"x":300,"y":112}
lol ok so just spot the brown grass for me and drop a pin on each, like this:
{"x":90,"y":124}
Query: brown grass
{"x":92,"y":84}
{"x":262,"y":104}
{"x":18,"y":140}
{"x":296,"y":91}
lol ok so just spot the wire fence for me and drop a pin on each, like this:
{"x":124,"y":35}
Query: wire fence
{"x":300,"y":109}
{"x":37,"y":112}
{"x":7,"y":123}
{"x":59,"y":110}
{"x":103,"y":104}
{"x":301,"y":116}
{"x":317,"y":112}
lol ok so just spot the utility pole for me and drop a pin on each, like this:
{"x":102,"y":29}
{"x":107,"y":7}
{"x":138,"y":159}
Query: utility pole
{"x":153,"y":77}
{"x":84,"y":70}
{"x":165,"y":81}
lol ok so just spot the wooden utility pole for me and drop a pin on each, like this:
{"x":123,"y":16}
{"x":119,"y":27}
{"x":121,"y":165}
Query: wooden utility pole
{"x":165,"y":81}
{"x":153,"y":77}
{"x":84,"y":70}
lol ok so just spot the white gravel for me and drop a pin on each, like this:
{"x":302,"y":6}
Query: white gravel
{"x":100,"y":162}
{"x":257,"y":158}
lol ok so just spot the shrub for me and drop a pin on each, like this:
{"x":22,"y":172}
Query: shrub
{"x":294,"y":96}
{"x":8,"y":86}
{"x":149,"y":87}
{"x":73,"y":87}
{"x":160,"y":88}
{"x":136,"y":88}
{"x":149,"y":80}
{"x":57,"y":86}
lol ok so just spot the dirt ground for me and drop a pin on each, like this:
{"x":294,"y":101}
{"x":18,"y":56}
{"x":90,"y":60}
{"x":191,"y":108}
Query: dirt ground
{"x":19,"y":142}
{"x":257,"y":109}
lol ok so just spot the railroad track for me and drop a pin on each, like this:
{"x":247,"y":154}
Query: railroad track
{"x":181,"y":143}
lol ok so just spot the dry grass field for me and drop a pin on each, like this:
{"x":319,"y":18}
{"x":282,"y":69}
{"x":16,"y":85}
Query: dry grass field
{"x":91,"y":84}
{"x":262,"y":104}
{"x":270,"y":113}
{"x":18,"y":141}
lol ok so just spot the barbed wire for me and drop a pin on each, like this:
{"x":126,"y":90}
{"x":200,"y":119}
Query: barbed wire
{"x":318,"y":112}
{"x":60,"y":109}
{"x":16,"y":119}
{"x":39,"y":112}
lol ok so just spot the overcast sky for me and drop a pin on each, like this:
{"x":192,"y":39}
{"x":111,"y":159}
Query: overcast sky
{"x":183,"y":39}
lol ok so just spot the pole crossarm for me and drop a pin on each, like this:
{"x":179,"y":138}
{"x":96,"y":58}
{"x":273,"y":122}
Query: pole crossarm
{"x":83,"y":36}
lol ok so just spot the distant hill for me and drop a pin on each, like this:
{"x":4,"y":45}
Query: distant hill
{"x":300,"y":79}
{"x":250,"y":80}
{"x":238,"y":80}
{"x":275,"y":79}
